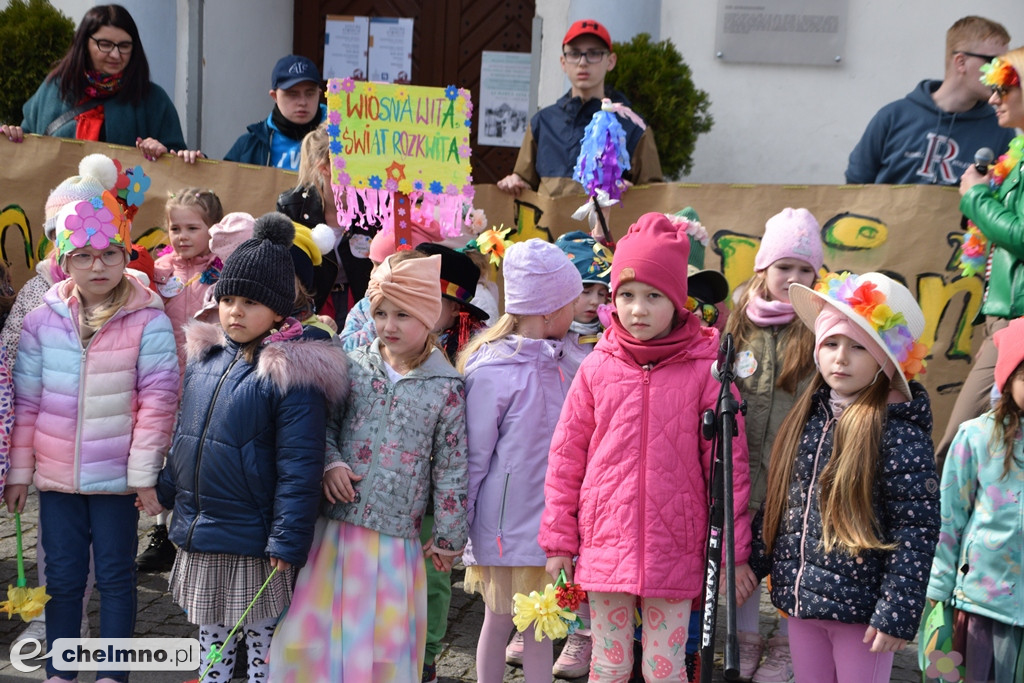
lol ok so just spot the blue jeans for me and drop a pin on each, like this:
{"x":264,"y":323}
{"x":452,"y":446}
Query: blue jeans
{"x":69,"y":524}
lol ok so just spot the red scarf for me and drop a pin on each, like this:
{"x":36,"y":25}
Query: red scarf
{"x":98,"y":86}
{"x":656,"y":350}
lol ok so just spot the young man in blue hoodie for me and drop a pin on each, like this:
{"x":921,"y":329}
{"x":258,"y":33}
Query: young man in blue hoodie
{"x":931,"y":136}
{"x":276,"y":140}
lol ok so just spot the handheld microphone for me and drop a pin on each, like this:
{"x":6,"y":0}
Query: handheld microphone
{"x":724,"y":365}
{"x":983,"y":158}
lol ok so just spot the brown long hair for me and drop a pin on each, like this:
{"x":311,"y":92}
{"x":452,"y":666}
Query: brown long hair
{"x":1007,"y":430}
{"x":846,"y":484}
{"x":70,"y":70}
{"x":797,"y":340}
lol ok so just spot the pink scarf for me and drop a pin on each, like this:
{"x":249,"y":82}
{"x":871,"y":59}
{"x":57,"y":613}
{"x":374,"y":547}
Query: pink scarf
{"x":769,"y":313}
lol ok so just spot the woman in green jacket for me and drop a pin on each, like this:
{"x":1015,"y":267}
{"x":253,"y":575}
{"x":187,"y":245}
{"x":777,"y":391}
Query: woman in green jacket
{"x":994,"y":202}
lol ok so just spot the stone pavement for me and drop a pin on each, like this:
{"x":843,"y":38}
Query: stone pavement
{"x":159,"y":617}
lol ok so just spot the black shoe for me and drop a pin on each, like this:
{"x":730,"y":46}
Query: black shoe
{"x":159,"y":555}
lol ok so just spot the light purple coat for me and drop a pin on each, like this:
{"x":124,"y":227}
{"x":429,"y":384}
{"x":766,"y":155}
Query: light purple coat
{"x":514,"y":393}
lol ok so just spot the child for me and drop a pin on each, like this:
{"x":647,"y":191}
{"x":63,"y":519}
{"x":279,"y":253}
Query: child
{"x":594,"y":263}
{"x":182,"y":274}
{"x":778,"y":350}
{"x":359,"y":611}
{"x":517,"y":374}
{"x":96,"y":385}
{"x":460,"y":318}
{"x":243,"y":475}
{"x":851,"y":513}
{"x":983,"y":503}
{"x":626,"y":488}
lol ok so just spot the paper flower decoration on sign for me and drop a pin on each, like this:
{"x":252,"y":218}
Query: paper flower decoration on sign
{"x":388,"y":139}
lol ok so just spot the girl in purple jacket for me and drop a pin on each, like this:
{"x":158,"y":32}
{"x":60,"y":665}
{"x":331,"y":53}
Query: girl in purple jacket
{"x":626,"y":486}
{"x":517,"y":374}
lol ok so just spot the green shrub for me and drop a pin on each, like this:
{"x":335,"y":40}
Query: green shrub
{"x":33,"y":37}
{"x":658,"y":83}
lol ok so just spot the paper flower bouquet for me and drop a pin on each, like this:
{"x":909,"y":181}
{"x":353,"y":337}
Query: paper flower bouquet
{"x":551,"y":613}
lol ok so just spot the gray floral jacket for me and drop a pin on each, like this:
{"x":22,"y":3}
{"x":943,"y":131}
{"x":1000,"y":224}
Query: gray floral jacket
{"x":402,"y":438}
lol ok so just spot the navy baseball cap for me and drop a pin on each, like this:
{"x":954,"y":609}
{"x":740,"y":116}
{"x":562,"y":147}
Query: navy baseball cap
{"x":293,"y":69}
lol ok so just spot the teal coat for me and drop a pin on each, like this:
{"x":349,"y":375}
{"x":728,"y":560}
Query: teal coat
{"x":1000,"y":217}
{"x":979,"y":561}
{"x":154,"y":117}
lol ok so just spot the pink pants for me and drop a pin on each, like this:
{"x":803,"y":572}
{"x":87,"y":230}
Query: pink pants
{"x":664,"y":637}
{"x":833,"y":652}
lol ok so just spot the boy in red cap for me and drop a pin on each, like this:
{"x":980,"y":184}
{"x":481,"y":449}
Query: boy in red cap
{"x":552,"y":140}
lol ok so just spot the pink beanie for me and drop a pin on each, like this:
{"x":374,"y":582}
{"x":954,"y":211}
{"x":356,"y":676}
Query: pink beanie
{"x":539,"y":278}
{"x":656,"y":251}
{"x":423,"y":230}
{"x":233,"y":229}
{"x":831,"y":321}
{"x":1009,"y":343}
{"x":791,"y":233}
{"x":96,"y":173}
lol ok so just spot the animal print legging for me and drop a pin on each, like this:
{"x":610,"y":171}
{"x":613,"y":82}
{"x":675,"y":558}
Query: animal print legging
{"x":257,"y":643}
{"x":664,"y":637}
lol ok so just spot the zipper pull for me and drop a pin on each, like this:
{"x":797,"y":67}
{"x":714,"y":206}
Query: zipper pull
{"x":561,"y":375}
{"x":647,"y":373}
{"x":500,"y":551}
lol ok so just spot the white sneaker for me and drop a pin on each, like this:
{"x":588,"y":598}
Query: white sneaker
{"x":35,"y":630}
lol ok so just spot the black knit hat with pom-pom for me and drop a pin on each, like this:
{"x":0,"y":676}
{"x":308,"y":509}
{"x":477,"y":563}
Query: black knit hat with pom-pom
{"x":261,"y":267}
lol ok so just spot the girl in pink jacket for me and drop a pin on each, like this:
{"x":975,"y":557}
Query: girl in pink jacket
{"x":627,"y":479}
{"x":96,"y":388}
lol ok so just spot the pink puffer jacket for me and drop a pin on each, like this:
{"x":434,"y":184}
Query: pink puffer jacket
{"x":626,"y":486}
{"x":182,"y":284}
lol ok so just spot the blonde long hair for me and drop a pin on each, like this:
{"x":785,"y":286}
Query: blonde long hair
{"x":796,"y":339}
{"x":314,"y":155}
{"x":846,"y":484}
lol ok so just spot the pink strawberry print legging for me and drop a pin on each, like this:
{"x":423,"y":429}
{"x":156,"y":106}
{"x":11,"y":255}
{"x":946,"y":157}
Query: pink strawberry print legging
{"x":664,"y":637}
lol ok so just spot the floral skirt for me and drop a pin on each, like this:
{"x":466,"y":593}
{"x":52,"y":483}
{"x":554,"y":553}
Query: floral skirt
{"x":497,"y":585}
{"x":359,"y":612}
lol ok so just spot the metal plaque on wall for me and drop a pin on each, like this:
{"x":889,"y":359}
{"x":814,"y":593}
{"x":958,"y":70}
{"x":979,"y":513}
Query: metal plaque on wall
{"x":811,"y":32}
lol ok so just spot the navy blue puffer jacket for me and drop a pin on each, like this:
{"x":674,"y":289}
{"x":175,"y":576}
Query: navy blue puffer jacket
{"x":883,"y":589}
{"x":246,"y":463}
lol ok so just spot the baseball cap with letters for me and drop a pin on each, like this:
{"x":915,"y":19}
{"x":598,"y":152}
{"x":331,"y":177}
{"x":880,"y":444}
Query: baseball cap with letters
{"x":588,"y":27}
{"x":293,"y":69}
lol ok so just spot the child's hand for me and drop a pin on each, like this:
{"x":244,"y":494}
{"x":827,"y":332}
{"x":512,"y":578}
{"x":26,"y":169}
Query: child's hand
{"x":557,"y":564}
{"x":148,"y":502}
{"x":15,"y":495}
{"x":883,"y":642}
{"x":746,"y":583}
{"x":442,"y":563}
{"x":329,"y":321}
{"x":338,"y":485}
{"x":279,"y":564}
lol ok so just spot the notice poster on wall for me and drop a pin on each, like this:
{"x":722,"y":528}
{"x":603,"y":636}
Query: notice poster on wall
{"x":346,"y":41}
{"x":390,"y":52}
{"x":504,"y":98}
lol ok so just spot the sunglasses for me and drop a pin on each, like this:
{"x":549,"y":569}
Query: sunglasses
{"x":987,"y":58}
{"x":706,"y":312}
{"x":1002,"y":90}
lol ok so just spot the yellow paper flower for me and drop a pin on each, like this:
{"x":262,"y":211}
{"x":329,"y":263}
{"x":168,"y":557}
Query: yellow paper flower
{"x":542,"y":611}
{"x":28,"y":603}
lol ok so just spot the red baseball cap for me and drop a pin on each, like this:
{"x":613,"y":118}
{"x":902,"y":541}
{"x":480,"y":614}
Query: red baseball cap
{"x":588,"y":27}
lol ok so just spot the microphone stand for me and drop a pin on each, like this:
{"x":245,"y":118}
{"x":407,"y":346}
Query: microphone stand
{"x":719,"y":426}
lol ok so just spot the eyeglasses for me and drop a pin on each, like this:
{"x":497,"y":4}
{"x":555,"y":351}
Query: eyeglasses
{"x":1002,"y":90}
{"x":592,"y":56}
{"x":107,"y":46}
{"x":987,"y":58}
{"x":706,"y":312}
{"x":83,"y":260}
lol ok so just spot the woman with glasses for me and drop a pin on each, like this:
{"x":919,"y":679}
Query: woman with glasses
{"x":994,"y":203}
{"x":101,"y":91}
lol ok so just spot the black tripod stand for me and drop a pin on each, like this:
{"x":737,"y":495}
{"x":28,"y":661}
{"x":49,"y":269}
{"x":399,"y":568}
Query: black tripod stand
{"x":719,"y":427}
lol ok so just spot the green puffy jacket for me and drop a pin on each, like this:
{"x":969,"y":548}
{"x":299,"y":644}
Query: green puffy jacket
{"x":1000,"y":217}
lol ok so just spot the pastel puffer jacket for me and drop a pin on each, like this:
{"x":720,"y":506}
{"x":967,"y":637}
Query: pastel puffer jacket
{"x":182,"y":284}
{"x":626,"y":488}
{"x":514,"y":392}
{"x":98,"y":418}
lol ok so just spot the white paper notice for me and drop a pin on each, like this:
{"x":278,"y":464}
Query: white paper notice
{"x":345,"y":47}
{"x":504,"y":98}
{"x":390,"y":50}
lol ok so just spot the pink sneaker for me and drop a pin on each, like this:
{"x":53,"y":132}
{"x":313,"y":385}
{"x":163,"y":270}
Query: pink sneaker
{"x":514,"y":651}
{"x":751,"y":647}
{"x":777,"y":666}
{"x":574,"y":662}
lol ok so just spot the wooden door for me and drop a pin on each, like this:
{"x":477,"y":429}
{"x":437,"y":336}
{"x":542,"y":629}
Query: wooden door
{"x":448,"y":38}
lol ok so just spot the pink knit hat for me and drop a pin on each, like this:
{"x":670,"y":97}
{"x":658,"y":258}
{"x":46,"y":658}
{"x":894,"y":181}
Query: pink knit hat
{"x":1009,"y":343}
{"x":539,"y":278}
{"x":656,"y":251}
{"x":96,"y":173}
{"x":423,"y":230}
{"x":233,"y":229}
{"x":791,"y":233}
